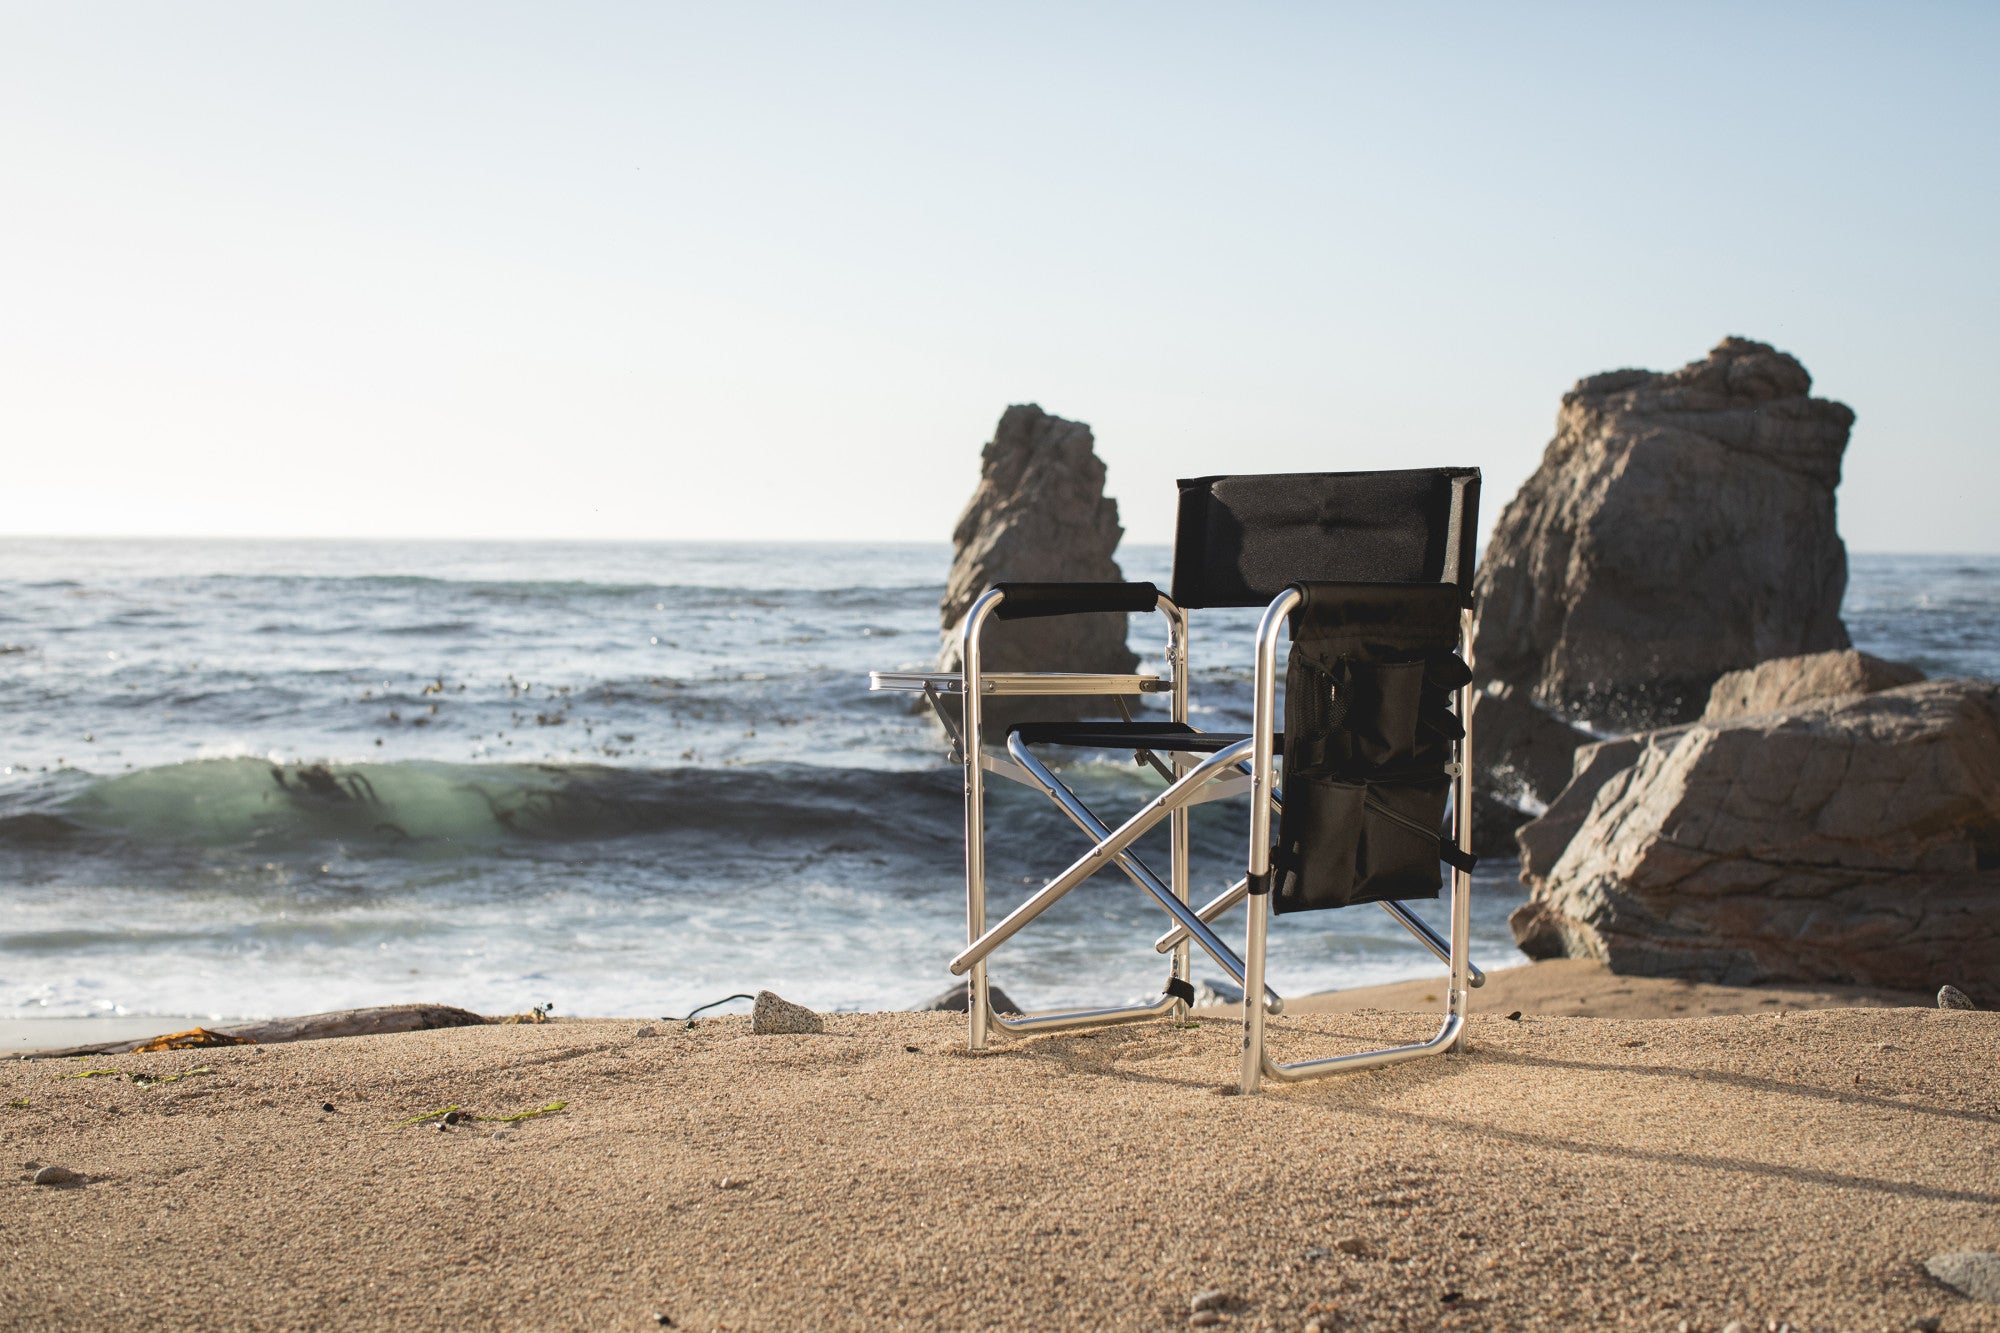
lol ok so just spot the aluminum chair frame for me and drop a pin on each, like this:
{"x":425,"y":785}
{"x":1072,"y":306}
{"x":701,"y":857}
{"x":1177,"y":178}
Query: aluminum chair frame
{"x":1227,"y":772}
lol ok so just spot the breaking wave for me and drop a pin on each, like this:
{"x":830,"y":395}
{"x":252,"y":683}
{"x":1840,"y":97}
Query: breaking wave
{"x":436,"y":806}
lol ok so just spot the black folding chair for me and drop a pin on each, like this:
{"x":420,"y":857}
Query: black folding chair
{"x":1372,"y":573}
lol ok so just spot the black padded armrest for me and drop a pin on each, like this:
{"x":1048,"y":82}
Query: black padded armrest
{"x":1381,"y":601}
{"x":1025,"y":600}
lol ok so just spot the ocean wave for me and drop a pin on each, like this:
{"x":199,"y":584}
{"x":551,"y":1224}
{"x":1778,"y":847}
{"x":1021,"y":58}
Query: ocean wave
{"x":440,"y":807}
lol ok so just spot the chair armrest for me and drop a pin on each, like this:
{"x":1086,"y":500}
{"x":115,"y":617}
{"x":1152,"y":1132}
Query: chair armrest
{"x":1025,"y":600}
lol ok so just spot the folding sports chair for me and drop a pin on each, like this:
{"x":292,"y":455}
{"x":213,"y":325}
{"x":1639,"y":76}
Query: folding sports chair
{"x":1371,"y":571}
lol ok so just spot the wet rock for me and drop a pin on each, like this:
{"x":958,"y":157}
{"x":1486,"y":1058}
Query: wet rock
{"x":326,"y":1107}
{"x":1681,"y":525}
{"x":772,"y":1016}
{"x":1207,"y":1319}
{"x":56,"y":1175}
{"x":1039,"y":514}
{"x":1951,"y":997}
{"x":954,"y":1000}
{"x":1521,"y":751}
{"x":1854,"y":840}
{"x":1972,"y":1273}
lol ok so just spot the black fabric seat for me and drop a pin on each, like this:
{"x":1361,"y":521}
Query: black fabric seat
{"x":1173,"y":736}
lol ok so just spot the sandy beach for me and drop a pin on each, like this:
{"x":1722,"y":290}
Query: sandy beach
{"x":1787,"y":1165}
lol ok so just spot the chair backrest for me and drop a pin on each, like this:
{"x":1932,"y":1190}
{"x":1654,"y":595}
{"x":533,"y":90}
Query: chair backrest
{"x":1239,"y":541}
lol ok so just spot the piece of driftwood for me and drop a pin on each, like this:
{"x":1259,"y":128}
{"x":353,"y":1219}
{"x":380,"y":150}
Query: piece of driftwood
{"x":312,"y":1027}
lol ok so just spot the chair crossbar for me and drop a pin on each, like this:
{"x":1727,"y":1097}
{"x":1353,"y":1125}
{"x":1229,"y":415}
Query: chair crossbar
{"x":1072,"y":805}
{"x":1098,"y":857}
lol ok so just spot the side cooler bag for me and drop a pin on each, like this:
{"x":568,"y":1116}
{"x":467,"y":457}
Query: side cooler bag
{"x":1368,"y":736}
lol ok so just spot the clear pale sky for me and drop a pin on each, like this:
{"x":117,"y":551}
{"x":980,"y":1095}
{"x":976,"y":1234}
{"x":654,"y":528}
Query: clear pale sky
{"x":773,"y":270}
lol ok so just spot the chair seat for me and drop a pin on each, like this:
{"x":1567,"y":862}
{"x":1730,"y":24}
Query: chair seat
{"x":1170,"y":736}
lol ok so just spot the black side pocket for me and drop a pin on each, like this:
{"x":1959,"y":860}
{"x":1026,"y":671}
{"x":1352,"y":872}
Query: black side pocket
{"x":1319,"y":844}
{"x":1398,"y":851}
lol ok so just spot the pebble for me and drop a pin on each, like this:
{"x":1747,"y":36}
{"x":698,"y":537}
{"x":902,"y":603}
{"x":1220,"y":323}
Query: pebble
{"x":1207,"y":1318}
{"x":772,"y":1015}
{"x":1974,"y":1273}
{"x":1351,"y":1245}
{"x":1214,"y":1298}
{"x":1951,"y":997}
{"x":1930,"y":1323}
{"x":55,"y":1175}
{"x":326,"y":1107}
{"x":646,"y":1031}
{"x":502,"y":1135}
{"x":1736,"y":1326}
{"x":1318,"y":1252}
{"x":731,"y":1183}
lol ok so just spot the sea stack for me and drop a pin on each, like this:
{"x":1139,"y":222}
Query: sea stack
{"x":1681,"y":525}
{"x":1039,"y":513}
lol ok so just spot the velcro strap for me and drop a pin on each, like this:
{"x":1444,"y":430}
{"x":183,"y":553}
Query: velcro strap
{"x":1451,"y":855}
{"x":1260,"y":883}
{"x":1180,"y":989}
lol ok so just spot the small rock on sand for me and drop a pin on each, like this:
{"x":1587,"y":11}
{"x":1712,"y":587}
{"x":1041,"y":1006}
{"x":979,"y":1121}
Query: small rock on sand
{"x":55,"y":1175}
{"x":1206,"y":1318}
{"x":646,"y":1032}
{"x":1214,"y":1298}
{"x":953,"y":1001}
{"x":1972,"y":1273}
{"x":1951,"y":997}
{"x":772,"y":1016}
{"x":1351,"y":1245}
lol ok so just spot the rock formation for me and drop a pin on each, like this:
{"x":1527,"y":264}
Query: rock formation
{"x":1781,"y":683}
{"x":1785,"y":682}
{"x":1039,"y":514}
{"x":1521,"y":755}
{"x":1680,"y":525}
{"x":1855,"y":839}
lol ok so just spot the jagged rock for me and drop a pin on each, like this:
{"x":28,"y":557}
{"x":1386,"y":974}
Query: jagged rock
{"x":1680,"y":525}
{"x":1854,"y":840}
{"x":1039,"y":514}
{"x":1541,"y":841}
{"x":1770,"y":687}
{"x":954,"y":1000}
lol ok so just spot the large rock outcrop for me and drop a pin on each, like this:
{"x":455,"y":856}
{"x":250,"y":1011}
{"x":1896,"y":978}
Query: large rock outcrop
{"x":1782,"y":683}
{"x":1852,"y":840}
{"x":1680,"y":525}
{"x":1039,"y":514}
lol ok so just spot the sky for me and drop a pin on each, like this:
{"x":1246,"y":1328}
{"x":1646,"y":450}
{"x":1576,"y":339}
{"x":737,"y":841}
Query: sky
{"x":763,"y":270}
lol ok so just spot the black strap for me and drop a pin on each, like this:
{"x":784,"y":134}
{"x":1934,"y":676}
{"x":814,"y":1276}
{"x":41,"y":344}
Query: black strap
{"x":1260,"y":883}
{"x":1180,"y":989}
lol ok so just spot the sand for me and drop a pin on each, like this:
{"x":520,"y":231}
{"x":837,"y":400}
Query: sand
{"x":1579,"y":988}
{"x":1795,"y":1166}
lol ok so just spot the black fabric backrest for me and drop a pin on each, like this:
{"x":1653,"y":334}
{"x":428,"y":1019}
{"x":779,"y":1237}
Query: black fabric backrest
{"x":1239,"y":541}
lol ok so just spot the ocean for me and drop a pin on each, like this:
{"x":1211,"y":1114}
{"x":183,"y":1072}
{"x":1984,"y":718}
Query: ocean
{"x":243,"y":779}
